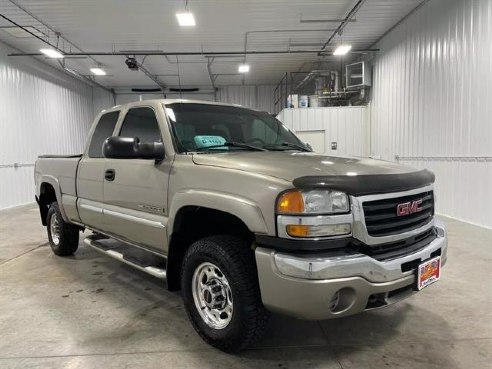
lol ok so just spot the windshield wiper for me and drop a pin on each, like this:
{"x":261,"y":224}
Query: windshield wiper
{"x":232,"y":144}
{"x":289,"y":145}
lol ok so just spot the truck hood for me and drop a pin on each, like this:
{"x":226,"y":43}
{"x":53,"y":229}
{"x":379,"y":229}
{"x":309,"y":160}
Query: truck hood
{"x":356,"y":176}
{"x":291,"y":165}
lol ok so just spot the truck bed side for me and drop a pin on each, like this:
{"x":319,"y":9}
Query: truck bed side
{"x":55,"y":178}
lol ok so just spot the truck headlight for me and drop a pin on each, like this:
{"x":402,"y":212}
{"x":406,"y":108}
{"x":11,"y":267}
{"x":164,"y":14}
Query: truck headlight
{"x":313,"y":202}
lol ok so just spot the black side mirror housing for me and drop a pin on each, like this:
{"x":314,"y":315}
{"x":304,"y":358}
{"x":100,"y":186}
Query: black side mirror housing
{"x":117,"y":147}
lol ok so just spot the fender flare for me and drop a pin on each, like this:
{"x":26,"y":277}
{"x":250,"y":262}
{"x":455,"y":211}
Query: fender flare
{"x":244,"y":209}
{"x":53,"y":181}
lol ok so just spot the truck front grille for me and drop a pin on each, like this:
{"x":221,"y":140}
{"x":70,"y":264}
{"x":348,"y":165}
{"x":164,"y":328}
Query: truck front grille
{"x":393,"y":250}
{"x":382,"y":219}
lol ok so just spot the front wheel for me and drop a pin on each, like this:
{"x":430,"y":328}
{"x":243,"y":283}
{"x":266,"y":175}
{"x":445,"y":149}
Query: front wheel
{"x":221,"y":292}
{"x":63,"y":237}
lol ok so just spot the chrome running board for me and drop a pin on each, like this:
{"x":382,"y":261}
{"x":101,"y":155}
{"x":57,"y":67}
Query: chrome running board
{"x":123,"y":252}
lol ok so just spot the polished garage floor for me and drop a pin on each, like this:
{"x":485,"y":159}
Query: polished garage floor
{"x":90,"y":311}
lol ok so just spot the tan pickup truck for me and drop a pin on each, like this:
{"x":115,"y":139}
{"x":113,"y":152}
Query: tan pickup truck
{"x":229,"y":206}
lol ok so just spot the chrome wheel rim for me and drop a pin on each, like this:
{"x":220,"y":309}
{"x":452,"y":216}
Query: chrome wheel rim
{"x":55,"y":229}
{"x":212,"y":295}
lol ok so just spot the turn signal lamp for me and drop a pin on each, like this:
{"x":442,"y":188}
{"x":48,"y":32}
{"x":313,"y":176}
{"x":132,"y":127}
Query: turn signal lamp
{"x":290,"y":202}
{"x":325,"y":230}
{"x":313,"y":202}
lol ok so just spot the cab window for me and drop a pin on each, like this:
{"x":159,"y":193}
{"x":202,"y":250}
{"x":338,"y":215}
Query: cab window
{"x":141,"y":123}
{"x":104,"y":129}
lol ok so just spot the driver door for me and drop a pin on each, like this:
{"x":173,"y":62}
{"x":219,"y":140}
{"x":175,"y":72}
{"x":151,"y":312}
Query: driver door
{"x":135,"y":195}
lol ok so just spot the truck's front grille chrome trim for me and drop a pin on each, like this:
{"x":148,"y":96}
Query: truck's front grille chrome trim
{"x":397,"y":249}
{"x":376,"y":222}
{"x":381,"y":215}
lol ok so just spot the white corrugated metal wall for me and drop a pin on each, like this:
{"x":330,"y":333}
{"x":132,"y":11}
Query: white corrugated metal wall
{"x":42,"y":111}
{"x":432,"y":102}
{"x":255,"y":97}
{"x":348,"y":126}
{"x":102,"y":99}
{"x":125,"y":98}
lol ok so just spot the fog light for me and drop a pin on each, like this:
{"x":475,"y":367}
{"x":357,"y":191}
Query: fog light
{"x":300,"y":230}
{"x":342,"y":300}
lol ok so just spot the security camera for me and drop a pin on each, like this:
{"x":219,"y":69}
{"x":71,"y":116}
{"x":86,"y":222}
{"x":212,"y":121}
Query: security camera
{"x":132,"y":64}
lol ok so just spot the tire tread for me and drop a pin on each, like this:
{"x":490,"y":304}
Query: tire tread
{"x":241,"y":259}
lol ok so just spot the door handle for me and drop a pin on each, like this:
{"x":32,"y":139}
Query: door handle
{"x":109,"y":175}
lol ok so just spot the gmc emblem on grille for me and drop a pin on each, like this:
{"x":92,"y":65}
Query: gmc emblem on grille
{"x":408,"y":208}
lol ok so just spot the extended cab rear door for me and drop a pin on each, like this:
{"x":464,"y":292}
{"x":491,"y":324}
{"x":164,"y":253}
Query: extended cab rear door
{"x":90,"y":175}
{"x":136,"y":197}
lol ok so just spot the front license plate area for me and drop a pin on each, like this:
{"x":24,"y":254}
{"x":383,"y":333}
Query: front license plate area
{"x":428,"y":272}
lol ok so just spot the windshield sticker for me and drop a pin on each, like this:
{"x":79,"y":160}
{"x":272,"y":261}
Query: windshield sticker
{"x":208,"y":141}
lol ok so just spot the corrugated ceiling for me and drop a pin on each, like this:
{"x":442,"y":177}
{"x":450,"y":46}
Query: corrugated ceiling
{"x":222,"y":25}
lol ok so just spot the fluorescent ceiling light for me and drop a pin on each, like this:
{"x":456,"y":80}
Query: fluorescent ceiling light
{"x":243,"y":68}
{"x":52,"y":53}
{"x":342,"y":49}
{"x":98,"y":71}
{"x":186,"y":19}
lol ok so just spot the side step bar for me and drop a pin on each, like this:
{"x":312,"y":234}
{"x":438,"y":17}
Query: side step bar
{"x":106,"y":246}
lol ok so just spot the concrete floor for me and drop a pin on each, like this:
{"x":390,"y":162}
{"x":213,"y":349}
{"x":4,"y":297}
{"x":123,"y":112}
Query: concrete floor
{"x":90,"y":311}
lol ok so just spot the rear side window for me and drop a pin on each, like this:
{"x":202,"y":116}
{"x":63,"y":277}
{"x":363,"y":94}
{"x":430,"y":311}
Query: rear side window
{"x":104,"y":129}
{"x":141,"y":123}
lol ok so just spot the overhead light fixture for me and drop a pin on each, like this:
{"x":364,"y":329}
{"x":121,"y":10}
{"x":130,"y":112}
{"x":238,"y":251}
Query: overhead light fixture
{"x":243,"y":68}
{"x":52,"y":53}
{"x":186,"y":19}
{"x":342,"y":49}
{"x":98,"y":71}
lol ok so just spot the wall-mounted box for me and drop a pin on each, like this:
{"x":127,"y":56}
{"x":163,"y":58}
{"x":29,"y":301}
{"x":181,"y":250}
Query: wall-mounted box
{"x":358,"y":75}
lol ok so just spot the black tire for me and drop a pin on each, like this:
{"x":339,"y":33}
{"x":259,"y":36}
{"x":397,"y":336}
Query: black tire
{"x":67,"y":241}
{"x":235,"y":259}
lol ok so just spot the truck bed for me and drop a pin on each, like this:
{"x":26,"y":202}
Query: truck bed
{"x":58,"y":168}
{"x":59,"y":156}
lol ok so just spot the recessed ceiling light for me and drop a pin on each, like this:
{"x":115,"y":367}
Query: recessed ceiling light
{"x":52,"y":53}
{"x":342,"y":49}
{"x":98,"y":71}
{"x":243,"y":68}
{"x":186,"y":19}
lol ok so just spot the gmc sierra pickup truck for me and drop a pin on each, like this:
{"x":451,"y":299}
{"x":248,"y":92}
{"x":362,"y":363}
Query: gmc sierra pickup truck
{"x":227,"y":205}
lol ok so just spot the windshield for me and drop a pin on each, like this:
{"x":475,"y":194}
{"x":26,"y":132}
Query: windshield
{"x":203,"y":127}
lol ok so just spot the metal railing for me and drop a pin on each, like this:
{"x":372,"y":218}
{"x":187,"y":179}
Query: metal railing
{"x":445,"y":158}
{"x":280,"y":94}
{"x":16,"y":165}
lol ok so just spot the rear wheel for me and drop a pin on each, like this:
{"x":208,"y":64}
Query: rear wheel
{"x":63,"y":237}
{"x":221,"y":292}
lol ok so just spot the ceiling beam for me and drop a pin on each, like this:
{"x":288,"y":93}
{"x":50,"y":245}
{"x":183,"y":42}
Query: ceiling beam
{"x":31,"y":33}
{"x":342,"y":25}
{"x":192,"y":53}
{"x":325,"y":20}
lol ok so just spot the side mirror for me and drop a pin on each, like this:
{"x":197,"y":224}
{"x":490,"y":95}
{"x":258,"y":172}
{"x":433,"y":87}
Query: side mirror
{"x":131,"y":148}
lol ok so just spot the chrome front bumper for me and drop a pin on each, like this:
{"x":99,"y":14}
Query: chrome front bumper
{"x":303,"y":286}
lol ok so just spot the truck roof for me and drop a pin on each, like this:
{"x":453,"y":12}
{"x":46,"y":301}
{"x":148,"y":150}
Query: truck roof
{"x":171,"y":101}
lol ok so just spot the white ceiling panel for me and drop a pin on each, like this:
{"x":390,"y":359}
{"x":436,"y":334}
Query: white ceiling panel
{"x":222,"y":26}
